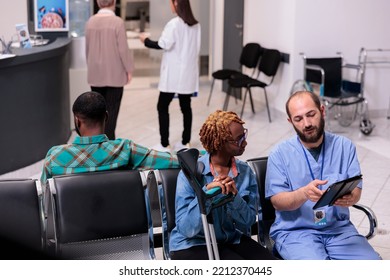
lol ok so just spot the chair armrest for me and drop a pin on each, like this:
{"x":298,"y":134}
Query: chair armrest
{"x":357,"y":81}
{"x":315,"y":67}
{"x":371,"y":218}
{"x":352,"y":66}
{"x":358,"y":68}
{"x":322,"y":71}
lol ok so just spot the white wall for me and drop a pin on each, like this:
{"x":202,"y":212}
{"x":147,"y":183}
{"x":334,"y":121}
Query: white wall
{"x":270,"y":24}
{"x":325,"y":27}
{"x":321,"y":28}
{"x":201,"y":10}
{"x":216,"y":37}
{"x":11,"y":13}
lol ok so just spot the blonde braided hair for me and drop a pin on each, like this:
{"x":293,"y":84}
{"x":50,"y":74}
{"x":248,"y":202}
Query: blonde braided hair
{"x":215,"y":130}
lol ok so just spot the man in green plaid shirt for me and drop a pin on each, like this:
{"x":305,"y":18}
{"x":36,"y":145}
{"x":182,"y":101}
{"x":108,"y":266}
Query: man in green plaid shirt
{"x":93,"y":151}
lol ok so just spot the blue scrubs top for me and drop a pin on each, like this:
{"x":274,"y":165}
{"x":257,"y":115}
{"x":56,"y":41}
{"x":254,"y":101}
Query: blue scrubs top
{"x":230,"y":220}
{"x":288,"y":170}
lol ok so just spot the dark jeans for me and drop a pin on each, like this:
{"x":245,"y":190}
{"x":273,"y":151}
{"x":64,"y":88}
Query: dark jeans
{"x":113,"y":97}
{"x":164,"y":100}
{"x":247,"y":249}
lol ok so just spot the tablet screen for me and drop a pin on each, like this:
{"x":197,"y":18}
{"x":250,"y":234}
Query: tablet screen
{"x":337,"y":190}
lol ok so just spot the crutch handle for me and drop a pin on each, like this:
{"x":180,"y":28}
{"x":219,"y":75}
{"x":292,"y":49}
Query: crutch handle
{"x":222,"y":200}
{"x":213,"y":192}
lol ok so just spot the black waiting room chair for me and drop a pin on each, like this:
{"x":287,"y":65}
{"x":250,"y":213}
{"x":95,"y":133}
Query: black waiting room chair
{"x":21,"y":219}
{"x":249,"y":59}
{"x":166,"y":180}
{"x":101,"y":215}
{"x":267,"y":217}
{"x":259,"y":166}
{"x":267,"y":68}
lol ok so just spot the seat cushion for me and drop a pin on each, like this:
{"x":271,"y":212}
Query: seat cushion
{"x":242,"y":81}
{"x":224,"y":74}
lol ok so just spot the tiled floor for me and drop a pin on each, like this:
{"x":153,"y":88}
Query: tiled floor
{"x":138,"y":121}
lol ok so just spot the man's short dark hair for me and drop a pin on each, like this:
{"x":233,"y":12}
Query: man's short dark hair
{"x":91,"y":106}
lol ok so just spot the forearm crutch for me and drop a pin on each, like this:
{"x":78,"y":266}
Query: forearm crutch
{"x":192,"y":169}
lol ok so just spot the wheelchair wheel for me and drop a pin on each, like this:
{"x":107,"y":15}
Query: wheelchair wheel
{"x":366,"y":126}
{"x":346,"y":114}
{"x":300,"y":85}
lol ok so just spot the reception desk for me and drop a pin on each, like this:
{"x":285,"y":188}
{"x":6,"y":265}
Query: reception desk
{"x":34,"y":103}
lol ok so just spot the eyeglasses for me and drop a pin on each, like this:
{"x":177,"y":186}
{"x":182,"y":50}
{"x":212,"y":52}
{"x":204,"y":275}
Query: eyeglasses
{"x":241,"y":140}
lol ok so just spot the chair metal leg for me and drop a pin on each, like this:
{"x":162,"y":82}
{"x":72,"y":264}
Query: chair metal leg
{"x":327,"y":114}
{"x":388,"y":111}
{"x":236,"y":93}
{"x":226,"y":102}
{"x":211,"y":92}
{"x":266,"y":102}
{"x":251,"y":100}
{"x":243,"y":103}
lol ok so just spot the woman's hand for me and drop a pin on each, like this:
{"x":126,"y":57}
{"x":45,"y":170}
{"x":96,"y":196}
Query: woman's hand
{"x":143,"y":36}
{"x":129,"y":77}
{"x":226,"y":184}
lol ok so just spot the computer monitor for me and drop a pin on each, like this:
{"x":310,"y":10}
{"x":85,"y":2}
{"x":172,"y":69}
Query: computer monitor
{"x":138,"y":10}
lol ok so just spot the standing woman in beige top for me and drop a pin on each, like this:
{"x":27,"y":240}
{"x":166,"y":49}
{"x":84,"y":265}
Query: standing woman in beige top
{"x":109,"y":60}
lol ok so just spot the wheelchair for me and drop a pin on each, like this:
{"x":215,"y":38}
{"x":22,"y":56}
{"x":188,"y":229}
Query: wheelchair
{"x":343,"y":97}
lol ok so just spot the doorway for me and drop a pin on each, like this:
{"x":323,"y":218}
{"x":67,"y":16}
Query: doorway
{"x":232,"y":35}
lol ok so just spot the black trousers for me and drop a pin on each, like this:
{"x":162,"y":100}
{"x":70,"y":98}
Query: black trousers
{"x":247,"y":249}
{"x":113,"y":97}
{"x":164,"y":100}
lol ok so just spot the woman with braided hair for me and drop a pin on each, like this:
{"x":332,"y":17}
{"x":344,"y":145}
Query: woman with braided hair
{"x":224,"y":137}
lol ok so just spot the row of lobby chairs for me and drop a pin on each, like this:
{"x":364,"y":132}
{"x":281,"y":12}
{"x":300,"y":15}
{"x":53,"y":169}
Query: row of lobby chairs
{"x":118,"y":214}
{"x":98,"y":215}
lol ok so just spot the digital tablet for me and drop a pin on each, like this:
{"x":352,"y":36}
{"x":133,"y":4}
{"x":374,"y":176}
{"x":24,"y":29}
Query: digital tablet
{"x":337,"y":190}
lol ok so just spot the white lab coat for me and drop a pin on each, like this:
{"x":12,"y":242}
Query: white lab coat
{"x":179,"y":66}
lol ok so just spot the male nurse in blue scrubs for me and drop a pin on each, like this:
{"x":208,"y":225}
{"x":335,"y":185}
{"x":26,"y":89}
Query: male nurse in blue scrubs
{"x":299,"y":171}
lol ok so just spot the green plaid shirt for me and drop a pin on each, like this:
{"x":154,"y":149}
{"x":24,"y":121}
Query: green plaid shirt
{"x":98,"y":153}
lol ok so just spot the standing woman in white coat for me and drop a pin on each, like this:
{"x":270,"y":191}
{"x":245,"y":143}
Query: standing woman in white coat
{"x":179,"y":74}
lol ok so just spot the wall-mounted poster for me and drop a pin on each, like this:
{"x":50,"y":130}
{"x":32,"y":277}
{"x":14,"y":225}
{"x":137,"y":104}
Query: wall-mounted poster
{"x":51,"y":15}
